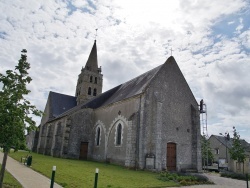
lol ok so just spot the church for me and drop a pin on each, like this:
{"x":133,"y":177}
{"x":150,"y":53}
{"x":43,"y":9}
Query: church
{"x":150,"y":122}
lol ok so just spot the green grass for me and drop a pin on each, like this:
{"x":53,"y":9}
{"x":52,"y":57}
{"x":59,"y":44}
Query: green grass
{"x":10,"y":181}
{"x":75,"y":173}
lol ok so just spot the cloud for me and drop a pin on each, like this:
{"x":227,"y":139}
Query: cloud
{"x":240,"y":26}
{"x":210,"y":42}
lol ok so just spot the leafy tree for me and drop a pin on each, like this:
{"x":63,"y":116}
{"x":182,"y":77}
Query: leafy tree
{"x":237,"y":151}
{"x":15,"y":110}
{"x":206,"y":151}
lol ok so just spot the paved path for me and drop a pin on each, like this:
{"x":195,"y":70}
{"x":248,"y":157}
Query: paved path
{"x":26,"y":176}
{"x":221,"y":182}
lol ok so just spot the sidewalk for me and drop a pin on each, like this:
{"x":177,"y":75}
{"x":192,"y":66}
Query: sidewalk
{"x":26,"y":176}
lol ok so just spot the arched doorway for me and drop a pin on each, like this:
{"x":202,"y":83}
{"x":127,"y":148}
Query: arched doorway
{"x":171,"y":156}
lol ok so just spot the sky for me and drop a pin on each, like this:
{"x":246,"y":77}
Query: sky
{"x":210,"y":41}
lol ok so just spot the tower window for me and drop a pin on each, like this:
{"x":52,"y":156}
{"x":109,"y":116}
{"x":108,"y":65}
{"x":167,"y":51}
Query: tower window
{"x":119,"y":135}
{"x":95,"y":80}
{"x":89,"y":91}
{"x":98,"y":136}
{"x":94,"y":93}
{"x":91,"y":79}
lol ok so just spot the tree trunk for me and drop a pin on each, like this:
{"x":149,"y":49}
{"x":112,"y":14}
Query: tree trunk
{"x":243,"y":168}
{"x":3,"y":168}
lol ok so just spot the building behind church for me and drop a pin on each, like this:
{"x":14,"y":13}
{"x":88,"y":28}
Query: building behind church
{"x":149,"y":122}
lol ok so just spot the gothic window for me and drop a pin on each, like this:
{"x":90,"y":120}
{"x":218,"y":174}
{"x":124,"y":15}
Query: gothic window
{"x":95,"y":80}
{"x":89,"y":91}
{"x":94,"y":92}
{"x":118,"y":134}
{"x":98,"y":136}
{"x":91,"y":79}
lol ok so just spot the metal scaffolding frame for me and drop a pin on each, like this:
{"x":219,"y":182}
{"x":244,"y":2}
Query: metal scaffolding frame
{"x":203,"y":121}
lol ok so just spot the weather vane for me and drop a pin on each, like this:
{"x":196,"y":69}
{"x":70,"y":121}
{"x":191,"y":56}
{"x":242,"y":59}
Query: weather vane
{"x":96,"y":33}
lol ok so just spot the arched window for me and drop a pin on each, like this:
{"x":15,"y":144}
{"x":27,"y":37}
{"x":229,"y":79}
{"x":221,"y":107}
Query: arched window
{"x":94,"y":92}
{"x":119,"y":135}
{"x":89,"y":91}
{"x":95,"y":80}
{"x":98,"y":136}
{"x":91,"y":79}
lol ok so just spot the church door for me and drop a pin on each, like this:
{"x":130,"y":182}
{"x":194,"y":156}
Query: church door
{"x":171,"y":157}
{"x":84,"y":151}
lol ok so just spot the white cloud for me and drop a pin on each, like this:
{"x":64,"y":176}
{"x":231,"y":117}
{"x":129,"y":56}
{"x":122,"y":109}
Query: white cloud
{"x":230,"y":23}
{"x":134,"y":37}
{"x":240,"y":26}
{"x":245,"y":39}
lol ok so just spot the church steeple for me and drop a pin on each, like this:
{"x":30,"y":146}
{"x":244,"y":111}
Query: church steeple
{"x":92,"y":63}
{"x":89,"y":82}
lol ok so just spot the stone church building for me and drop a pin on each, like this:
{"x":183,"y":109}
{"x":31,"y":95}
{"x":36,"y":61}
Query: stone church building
{"x":149,"y":122}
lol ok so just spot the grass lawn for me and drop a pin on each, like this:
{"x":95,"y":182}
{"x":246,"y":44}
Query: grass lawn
{"x":10,"y":181}
{"x":75,"y":173}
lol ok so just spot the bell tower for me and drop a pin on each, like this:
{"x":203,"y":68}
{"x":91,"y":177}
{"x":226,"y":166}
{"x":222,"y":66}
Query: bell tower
{"x":89,"y":82}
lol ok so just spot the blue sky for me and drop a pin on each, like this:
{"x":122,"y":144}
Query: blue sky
{"x":210,"y":41}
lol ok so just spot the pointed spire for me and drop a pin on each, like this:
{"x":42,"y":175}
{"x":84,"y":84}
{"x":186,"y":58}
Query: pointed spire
{"x":92,"y":63}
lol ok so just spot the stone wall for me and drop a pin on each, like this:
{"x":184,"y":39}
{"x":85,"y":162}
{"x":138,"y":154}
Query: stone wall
{"x":42,"y":139}
{"x":78,"y":129}
{"x":167,"y":118}
{"x":107,"y":118}
{"x":36,"y":138}
{"x":132,"y":141}
{"x":58,"y":140}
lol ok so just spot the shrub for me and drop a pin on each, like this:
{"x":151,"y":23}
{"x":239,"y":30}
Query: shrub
{"x":233,"y":175}
{"x":184,"y":179}
{"x":183,"y":182}
{"x":201,"y":178}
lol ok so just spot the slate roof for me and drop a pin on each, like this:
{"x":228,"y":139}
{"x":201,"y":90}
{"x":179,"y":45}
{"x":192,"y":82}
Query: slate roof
{"x":124,"y":91}
{"x":133,"y":87}
{"x":60,"y":103}
{"x":229,"y":143}
{"x":223,"y":140}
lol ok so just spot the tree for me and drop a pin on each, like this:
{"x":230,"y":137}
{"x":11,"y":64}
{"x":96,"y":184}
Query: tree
{"x":15,"y":109}
{"x":237,"y":151}
{"x":206,"y":151}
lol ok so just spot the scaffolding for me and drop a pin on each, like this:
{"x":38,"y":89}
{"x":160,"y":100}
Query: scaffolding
{"x":203,"y":118}
{"x":203,"y":121}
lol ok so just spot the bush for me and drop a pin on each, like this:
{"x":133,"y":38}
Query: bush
{"x":183,"y":182}
{"x":184,"y":178}
{"x":234,"y":175}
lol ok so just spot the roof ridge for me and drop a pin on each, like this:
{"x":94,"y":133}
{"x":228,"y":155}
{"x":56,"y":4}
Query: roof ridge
{"x":53,"y":92}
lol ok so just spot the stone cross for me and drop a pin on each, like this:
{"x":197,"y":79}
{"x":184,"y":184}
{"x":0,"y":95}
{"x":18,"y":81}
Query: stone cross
{"x":96,"y":33}
{"x":171,"y":51}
